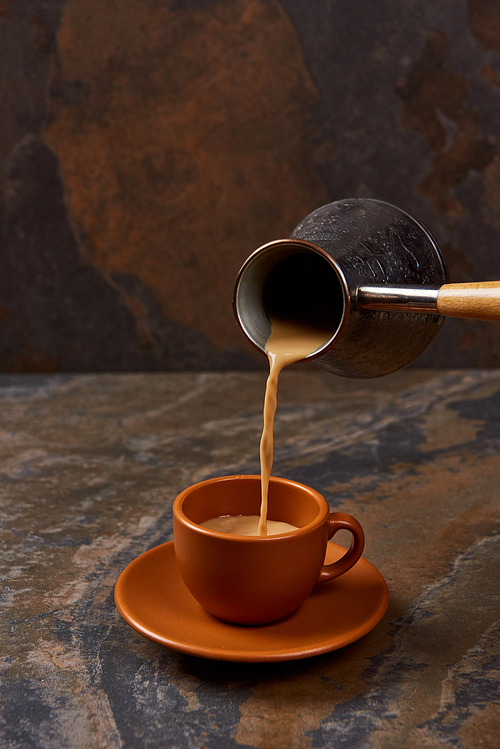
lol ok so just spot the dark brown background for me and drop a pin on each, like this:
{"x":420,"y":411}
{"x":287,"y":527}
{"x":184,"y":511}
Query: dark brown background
{"x":148,"y":147}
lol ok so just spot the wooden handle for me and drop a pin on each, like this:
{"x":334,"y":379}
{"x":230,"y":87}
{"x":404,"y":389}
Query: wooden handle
{"x":479,"y":300}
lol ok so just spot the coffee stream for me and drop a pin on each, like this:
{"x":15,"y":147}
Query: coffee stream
{"x":288,"y":343}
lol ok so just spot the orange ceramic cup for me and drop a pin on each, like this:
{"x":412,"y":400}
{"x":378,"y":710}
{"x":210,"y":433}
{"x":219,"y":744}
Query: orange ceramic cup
{"x":252,"y":579}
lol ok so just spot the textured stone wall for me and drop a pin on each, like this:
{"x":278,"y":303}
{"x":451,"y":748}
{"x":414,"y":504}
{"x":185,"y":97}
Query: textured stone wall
{"x":146,"y":148}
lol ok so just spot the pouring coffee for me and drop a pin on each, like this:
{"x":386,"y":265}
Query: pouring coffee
{"x":365,"y":270}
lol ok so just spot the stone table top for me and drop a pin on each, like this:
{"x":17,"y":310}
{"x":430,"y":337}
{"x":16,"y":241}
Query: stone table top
{"x":90,"y":466}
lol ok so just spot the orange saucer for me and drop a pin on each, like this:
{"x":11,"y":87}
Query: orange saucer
{"x":151,"y":596}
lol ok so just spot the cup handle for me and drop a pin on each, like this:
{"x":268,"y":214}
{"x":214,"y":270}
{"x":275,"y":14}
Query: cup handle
{"x":341,"y":521}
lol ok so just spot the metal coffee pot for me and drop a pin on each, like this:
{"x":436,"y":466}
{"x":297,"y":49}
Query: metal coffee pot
{"x":367,"y":272}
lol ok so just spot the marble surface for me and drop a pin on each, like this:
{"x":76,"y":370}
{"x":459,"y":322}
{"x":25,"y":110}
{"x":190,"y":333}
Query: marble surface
{"x":90,"y":465}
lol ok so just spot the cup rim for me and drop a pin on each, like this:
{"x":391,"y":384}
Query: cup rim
{"x":323,"y":510}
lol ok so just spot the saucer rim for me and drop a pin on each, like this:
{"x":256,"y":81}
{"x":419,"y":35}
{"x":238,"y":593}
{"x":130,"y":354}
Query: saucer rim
{"x":248,"y":656}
